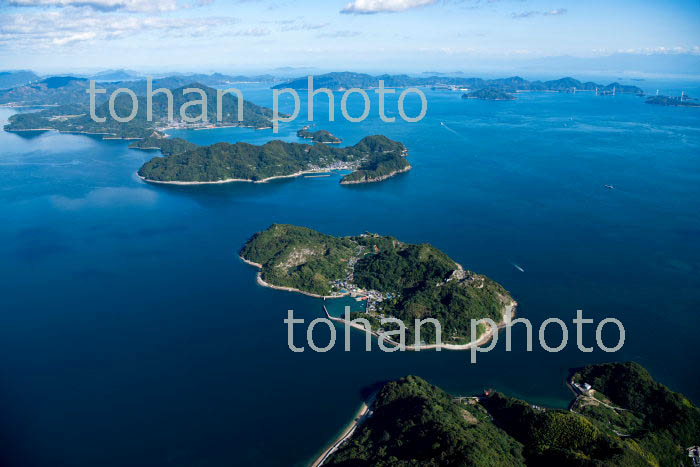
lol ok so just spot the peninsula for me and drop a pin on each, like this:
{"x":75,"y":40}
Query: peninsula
{"x":620,"y":416}
{"x":396,"y":279}
{"x":374,"y":158}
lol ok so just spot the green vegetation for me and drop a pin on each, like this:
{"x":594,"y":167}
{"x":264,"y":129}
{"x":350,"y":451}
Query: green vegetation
{"x":76,"y":118}
{"x":404,"y":281}
{"x":684,"y":101}
{"x":489,"y":94}
{"x":299,"y":257}
{"x":320,"y":136}
{"x":242,"y":161}
{"x":415,"y":423}
{"x":346,"y":80}
{"x":378,"y":168}
{"x":664,"y":422}
{"x":559,"y":437}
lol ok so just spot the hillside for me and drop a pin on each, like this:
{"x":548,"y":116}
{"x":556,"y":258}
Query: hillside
{"x":10,"y":79}
{"x":401,"y":280}
{"x":76,"y":117}
{"x":489,"y":94}
{"x":415,"y":423}
{"x":339,"y":81}
{"x":242,"y":161}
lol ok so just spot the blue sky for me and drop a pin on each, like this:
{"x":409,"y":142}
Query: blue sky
{"x":391,"y":35}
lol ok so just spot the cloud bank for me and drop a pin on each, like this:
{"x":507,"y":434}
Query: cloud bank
{"x":368,"y":7}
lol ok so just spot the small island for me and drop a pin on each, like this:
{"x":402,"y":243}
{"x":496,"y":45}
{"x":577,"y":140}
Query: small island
{"x":320,"y":136}
{"x":489,"y":94}
{"x":682,"y":101}
{"x":620,"y":416}
{"x":396,"y":279}
{"x":373,"y":159}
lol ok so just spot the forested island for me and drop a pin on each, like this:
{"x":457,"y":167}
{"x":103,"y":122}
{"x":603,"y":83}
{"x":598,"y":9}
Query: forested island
{"x":76,"y":117}
{"x":320,"y":136}
{"x":489,"y":94}
{"x":373,"y":159}
{"x":398,"y":279}
{"x":683,"y":101}
{"x":620,"y":417}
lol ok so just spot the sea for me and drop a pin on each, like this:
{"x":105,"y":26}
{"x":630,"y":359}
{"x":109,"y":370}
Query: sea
{"x":131,"y":334}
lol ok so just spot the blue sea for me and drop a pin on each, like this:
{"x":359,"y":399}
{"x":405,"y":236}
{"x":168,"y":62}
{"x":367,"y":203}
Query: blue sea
{"x":132,"y":334}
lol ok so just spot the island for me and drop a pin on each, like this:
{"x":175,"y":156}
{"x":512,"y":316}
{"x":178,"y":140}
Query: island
{"x":620,"y":416}
{"x":320,"y":136}
{"x":396,"y":279}
{"x":373,"y":159}
{"x":682,"y":101}
{"x":75,"y":118}
{"x":489,"y":94}
{"x":341,"y":81}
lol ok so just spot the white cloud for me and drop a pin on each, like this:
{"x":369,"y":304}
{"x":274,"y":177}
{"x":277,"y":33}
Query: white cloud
{"x":365,"y":7}
{"x":73,"y":25}
{"x":105,"y":5}
{"x":528,"y":14}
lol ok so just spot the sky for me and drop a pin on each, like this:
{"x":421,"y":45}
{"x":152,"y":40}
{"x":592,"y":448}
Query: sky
{"x":359,"y":35}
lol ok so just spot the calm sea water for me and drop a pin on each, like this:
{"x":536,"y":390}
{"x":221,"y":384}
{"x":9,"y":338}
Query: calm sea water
{"x":131,"y":333}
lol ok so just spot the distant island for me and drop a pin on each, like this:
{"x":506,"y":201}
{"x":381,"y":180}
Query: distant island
{"x":75,"y":118}
{"x":26,"y":89}
{"x":341,"y":81}
{"x":373,"y":159}
{"x":683,"y":101}
{"x":396,"y":279}
{"x":620,"y":417}
{"x":320,"y":136}
{"x":489,"y":94}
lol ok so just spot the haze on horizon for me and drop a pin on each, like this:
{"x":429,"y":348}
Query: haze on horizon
{"x":361,"y":35}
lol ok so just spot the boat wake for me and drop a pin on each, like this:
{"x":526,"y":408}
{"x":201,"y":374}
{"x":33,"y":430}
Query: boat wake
{"x":449,"y":129}
{"x":518,"y":267}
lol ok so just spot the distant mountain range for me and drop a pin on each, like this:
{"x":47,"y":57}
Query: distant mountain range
{"x":10,"y":79}
{"x":70,"y":90}
{"x":340,"y":81}
{"x":74,"y":115}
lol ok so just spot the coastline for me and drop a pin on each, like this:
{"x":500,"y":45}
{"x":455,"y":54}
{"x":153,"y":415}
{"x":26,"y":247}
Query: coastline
{"x":231,"y":180}
{"x":378,"y":179}
{"x":508,"y":313}
{"x":360,"y":416}
{"x":262,"y":283}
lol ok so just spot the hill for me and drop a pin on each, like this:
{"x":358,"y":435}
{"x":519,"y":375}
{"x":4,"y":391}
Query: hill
{"x":668,"y":101}
{"x":489,"y":94}
{"x":10,"y":79}
{"x":320,"y":136}
{"x":188,"y":163}
{"x":401,"y":280}
{"x":76,"y":117}
{"x":415,"y":423}
{"x":340,"y":81}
